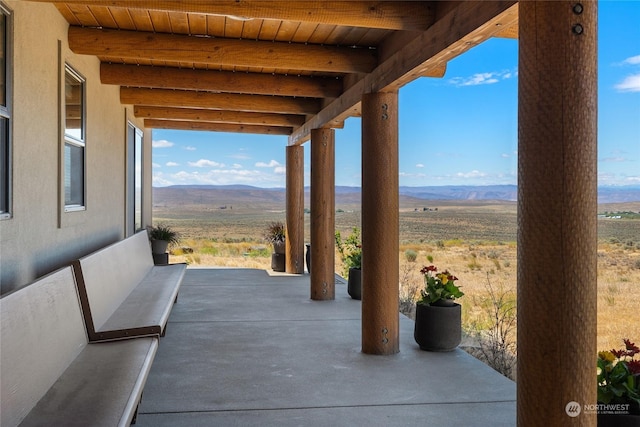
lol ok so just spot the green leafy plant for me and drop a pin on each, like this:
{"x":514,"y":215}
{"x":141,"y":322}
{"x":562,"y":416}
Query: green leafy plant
{"x":275,"y":233}
{"x":438,"y":287}
{"x":619,"y":377}
{"x":350,"y":250}
{"x":163,"y":232}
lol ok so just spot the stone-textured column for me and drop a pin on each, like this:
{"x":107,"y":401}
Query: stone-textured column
{"x":323,"y":201}
{"x":380,"y":224}
{"x":294,"y":252}
{"x":557,"y":208}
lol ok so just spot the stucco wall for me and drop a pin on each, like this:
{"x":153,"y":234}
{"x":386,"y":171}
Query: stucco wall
{"x":40,"y":237}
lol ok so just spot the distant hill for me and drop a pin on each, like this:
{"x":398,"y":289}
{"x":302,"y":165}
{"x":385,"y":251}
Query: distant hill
{"x":207,"y":194}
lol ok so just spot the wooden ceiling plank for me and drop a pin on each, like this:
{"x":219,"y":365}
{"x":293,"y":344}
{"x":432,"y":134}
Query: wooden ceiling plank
{"x":251,"y":29}
{"x":160,"y":20}
{"x":140,"y":18}
{"x":387,"y":15}
{"x":181,"y":48}
{"x":218,"y":101}
{"x":471,"y":22}
{"x":83,"y":14}
{"x":217,"y":127}
{"x":197,"y":23}
{"x":217,"y":116}
{"x":269,"y":30}
{"x":215,"y":26}
{"x":304,"y":32}
{"x":179,"y":22}
{"x":233,"y":28}
{"x":67,"y":14}
{"x":223,"y":81}
{"x":104,"y":17}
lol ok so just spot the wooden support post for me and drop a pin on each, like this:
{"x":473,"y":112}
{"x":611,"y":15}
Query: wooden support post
{"x":557,"y":208}
{"x":380,"y":224}
{"x":295,"y":210}
{"x":323,"y":201}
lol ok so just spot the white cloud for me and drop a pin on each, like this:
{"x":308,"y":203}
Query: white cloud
{"x":633,"y":60}
{"x":172,"y":164}
{"x":616,"y":159}
{"x":220,"y":177}
{"x":629,"y":84}
{"x":156,"y":165}
{"x":236,"y":166}
{"x":204,"y":163}
{"x":190,"y":148}
{"x":472,"y":174}
{"x":419,"y":165}
{"x":271,"y":164}
{"x":505,"y":155}
{"x":483,"y":78}
{"x":162,"y":143}
{"x":280,"y":170}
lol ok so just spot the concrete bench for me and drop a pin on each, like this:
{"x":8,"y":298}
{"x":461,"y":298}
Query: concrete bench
{"x":51,"y":375}
{"x":123,"y":294}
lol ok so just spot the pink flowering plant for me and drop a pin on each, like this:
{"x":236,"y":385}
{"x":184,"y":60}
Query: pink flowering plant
{"x":619,"y":376}
{"x":438,"y":287}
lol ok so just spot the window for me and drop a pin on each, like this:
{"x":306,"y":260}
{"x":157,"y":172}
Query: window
{"x":74,"y":140}
{"x":134,"y":179}
{"x":5,"y":113}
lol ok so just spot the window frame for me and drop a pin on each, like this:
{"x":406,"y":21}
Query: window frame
{"x":6,"y":154}
{"x":74,"y":141}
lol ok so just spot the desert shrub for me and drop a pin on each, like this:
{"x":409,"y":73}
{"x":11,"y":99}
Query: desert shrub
{"x":209,"y":250}
{"x":495,"y":328}
{"x":410,"y":255}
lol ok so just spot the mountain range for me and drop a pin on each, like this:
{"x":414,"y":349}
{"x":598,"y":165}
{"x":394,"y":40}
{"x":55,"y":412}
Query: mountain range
{"x":619,"y":194}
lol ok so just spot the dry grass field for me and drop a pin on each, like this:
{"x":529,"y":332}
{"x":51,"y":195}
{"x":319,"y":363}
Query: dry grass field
{"x":475,"y":240}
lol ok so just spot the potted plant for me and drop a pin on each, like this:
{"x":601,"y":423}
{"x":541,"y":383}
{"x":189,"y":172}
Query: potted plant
{"x":619,"y":386}
{"x":438,"y":318}
{"x":275,"y":234}
{"x":161,"y":236}
{"x":351,"y":254}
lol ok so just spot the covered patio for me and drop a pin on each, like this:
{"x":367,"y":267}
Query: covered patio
{"x":248,"y":347}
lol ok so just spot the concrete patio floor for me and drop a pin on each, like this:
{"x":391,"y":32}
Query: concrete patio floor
{"x":249,"y":348}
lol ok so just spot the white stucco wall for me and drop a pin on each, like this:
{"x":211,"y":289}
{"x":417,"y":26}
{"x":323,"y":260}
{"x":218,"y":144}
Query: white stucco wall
{"x":40,"y":237}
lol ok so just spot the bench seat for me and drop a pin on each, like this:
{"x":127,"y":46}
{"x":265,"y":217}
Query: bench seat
{"x":123,"y":294}
{"x":49,"y":373}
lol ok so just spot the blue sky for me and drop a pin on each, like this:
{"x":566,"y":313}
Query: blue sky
{"x":457,"y":130}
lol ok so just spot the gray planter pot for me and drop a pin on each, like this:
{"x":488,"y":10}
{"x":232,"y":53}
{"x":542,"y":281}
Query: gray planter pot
{"x":159,"y":246}
{"x":278,"y":262}
{"x":438,"y":328}
{"x":354,"y":283}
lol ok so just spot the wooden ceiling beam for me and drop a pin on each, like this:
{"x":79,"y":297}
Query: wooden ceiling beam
{"x":219,"y":81}
{"x":388,"y":15}
{"x":467,"y":25}
{"x":218,"y":101}
{"x":213,"y":116}
{"x":218,"y":51}
{"x":216,"y":127}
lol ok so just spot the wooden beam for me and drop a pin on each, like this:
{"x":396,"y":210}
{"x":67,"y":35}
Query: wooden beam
{"x":214,"y":116}
{"x":216,"y":127}
{"x":218,"y":101}
{"x":471,"y":22}
{"x":510,"y":32}
{"x":217,"y":51}
{"x":222,"y":81}
{"x":390,"y":15}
